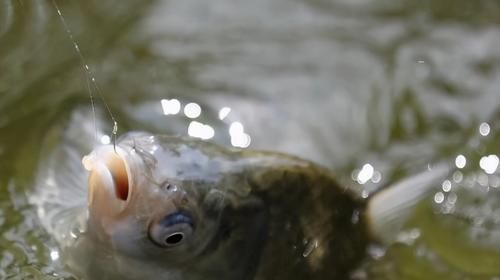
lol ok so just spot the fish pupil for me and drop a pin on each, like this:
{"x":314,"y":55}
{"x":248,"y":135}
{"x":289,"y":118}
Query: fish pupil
{"x":174,"y":239}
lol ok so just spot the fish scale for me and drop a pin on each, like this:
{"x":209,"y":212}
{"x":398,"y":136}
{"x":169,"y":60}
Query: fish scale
{"x":234,"y":214}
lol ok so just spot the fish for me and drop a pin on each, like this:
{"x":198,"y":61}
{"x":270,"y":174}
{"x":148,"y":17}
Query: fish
{"x":154,"y":206}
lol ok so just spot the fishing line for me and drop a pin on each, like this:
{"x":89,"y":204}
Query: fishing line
{"x":89,"y":78}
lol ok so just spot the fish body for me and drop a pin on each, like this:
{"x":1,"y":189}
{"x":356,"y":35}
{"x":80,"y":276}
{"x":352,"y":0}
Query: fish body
{"x":163,"y":207}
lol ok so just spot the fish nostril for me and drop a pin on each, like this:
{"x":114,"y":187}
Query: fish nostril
{"x":167,"y":187}
{"x":174,"y":238}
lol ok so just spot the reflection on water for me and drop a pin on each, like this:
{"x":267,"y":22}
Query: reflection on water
{"x":224,"y":112}
{"x":376,"y":90}
{"x":484,"y":129}
{"x":199,"y":130}
{"x":192,"y":110}
{"x":460,"y":161}
{"x":367,"y":173}
{"x":170,"y":107}
{"x":489,"y":163}
{"x":239,"y":138}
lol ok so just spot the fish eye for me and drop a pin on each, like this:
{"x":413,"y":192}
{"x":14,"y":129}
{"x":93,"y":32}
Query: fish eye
{"x":173,"y":230}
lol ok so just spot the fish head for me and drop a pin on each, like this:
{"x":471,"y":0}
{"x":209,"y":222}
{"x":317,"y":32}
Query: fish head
{"x":153,"y":202}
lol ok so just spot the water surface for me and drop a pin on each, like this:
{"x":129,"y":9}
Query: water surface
{"x":374,"y":90}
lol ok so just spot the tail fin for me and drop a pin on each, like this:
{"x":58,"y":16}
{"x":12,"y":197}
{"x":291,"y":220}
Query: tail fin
{"x":388,"y":210}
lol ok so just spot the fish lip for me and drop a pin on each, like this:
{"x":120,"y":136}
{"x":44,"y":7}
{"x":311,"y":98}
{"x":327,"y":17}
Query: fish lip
{"x":99,"y":163}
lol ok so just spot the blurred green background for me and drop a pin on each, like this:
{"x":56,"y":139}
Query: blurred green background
{"x":375,"y":90}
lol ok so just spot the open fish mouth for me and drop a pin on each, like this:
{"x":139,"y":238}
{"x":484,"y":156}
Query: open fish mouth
{"x":109,"y":179}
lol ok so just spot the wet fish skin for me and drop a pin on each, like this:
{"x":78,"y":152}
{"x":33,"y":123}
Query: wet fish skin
{"x":258,"y":215}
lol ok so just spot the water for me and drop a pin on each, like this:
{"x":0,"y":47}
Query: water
{"x":373,"y":89}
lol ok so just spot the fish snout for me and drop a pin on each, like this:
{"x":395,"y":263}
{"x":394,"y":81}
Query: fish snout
{"x":109,"y":179}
